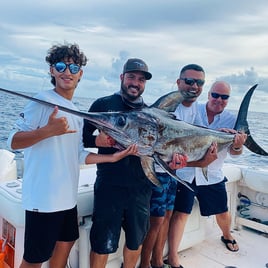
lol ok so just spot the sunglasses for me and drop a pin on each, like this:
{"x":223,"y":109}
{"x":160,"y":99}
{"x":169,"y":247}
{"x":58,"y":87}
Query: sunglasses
{"x":62,"y":66}
{"x":216,"y":96}
{"x":192,"y":81}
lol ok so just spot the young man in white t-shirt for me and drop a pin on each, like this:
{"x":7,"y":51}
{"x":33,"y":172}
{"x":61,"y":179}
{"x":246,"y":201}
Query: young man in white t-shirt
{"x":53,"y":150}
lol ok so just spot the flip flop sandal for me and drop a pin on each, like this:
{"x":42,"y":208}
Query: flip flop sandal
{"x":166,"y":262}
{"x":227,"y":241}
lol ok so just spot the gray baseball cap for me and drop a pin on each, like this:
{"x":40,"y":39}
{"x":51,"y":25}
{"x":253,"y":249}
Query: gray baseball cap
{"x":135,"y":64}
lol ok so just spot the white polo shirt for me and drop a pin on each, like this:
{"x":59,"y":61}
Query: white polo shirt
{"x":214,"y":170}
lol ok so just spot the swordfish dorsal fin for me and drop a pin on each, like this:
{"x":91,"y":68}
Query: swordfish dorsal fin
{"x":242,"y":124}
{"x":169,"y":102}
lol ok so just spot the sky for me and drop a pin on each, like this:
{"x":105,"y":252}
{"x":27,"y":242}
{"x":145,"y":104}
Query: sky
{"x":229,"y":39}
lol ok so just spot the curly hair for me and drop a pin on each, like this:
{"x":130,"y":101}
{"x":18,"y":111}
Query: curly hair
{"x":59,"y":53}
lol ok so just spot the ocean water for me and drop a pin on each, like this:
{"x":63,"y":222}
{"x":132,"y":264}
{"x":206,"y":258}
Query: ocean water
{"x":11,"y":106}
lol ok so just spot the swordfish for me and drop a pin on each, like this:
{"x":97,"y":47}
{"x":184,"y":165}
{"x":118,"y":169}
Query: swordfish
{"x":158,"y":134}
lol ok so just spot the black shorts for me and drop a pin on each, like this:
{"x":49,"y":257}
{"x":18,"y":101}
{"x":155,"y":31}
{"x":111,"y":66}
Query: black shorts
{"x":43,"y":230}
{"x":116,"y":207}
{"x":212,"y":198}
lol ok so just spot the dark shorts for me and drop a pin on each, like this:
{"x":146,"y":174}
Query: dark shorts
{"x":116,"y":207}
{"x":163,"y":198}
{"x":43,"y":230}
{"x":212,"y":198}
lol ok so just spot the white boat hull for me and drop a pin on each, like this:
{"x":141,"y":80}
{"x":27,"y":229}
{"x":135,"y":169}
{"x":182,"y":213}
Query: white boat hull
{"x":197,"y":232}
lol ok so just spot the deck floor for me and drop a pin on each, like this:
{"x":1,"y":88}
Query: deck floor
{"x":212,"y":253}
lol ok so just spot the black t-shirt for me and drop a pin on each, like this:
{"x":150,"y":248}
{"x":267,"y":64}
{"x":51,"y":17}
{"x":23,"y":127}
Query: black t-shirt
{"x":126,"y":172}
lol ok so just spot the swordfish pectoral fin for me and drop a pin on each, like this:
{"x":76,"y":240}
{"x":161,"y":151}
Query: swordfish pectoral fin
{"x":171,"y":172}
{"x":147,"y":164}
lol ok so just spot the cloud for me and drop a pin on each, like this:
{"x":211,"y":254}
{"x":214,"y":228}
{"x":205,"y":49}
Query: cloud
{"x":228,"y":38}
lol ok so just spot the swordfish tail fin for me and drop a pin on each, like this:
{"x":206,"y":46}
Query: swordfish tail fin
{"x":242,"y":124}
{"x":254,"y":147}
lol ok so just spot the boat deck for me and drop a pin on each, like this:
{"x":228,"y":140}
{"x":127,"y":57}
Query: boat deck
{"x":201,"y":236}
{"x":212,"y":253}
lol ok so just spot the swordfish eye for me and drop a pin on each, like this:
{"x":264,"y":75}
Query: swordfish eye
{"x":121,"y":121}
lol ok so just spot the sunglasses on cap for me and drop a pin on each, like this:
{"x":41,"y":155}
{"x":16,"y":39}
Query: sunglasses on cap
{"x":216,"y":96}
{"x":62,"y":66}
{"x":192,"y":81}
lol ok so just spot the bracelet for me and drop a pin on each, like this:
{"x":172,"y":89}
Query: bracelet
{"x":239,"y":149}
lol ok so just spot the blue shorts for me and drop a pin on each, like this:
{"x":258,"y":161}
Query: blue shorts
{"x":212,"y":198}
{"x":163,"y":198}
{"x":43,"y":230}
{"x":116,"y":207}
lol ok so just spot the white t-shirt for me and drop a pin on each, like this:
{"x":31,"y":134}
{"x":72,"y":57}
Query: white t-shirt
{"x":188,"y":115}
{"x":214,"y":170}
{"x":51,"y":174}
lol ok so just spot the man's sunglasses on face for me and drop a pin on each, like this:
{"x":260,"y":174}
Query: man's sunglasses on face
{"x":217,"y":95}
{"x":62,"y":66}
{"x":192,"y":81}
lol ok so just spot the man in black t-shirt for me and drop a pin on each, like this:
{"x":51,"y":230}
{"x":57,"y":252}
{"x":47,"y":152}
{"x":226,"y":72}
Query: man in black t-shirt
{"x":122,"y":191}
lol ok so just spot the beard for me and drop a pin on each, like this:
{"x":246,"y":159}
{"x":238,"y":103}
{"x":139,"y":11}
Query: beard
{"x":128,"y":94}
